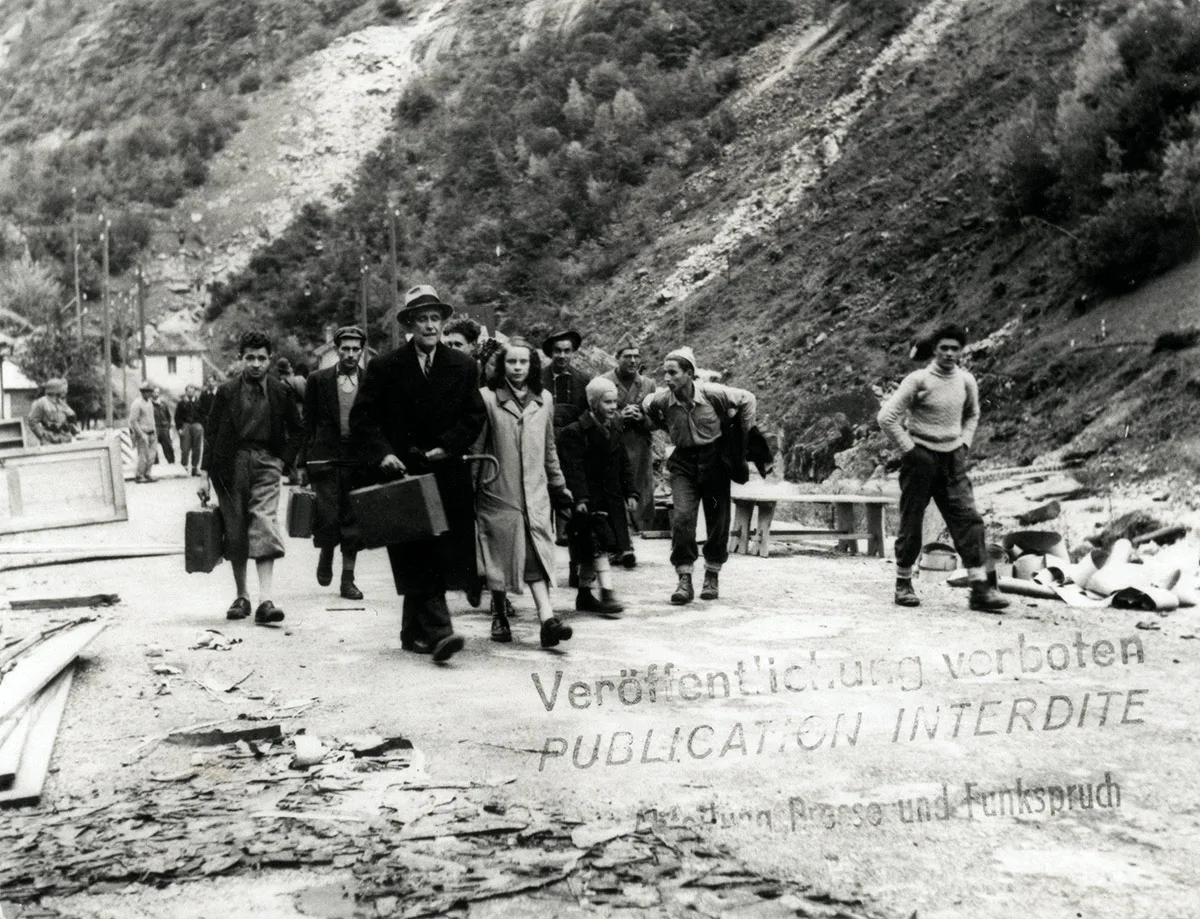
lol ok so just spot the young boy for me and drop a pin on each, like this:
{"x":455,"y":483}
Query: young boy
{"x":253,"y":432}
{"x":600,"y":478}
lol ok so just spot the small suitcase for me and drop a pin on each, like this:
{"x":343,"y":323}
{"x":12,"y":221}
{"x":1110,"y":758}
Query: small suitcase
{"x":203,"y":538}
{"x":301,"y":513}
{"x":406,"y":510}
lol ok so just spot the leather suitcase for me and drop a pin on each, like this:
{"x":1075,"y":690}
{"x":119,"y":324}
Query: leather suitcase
{"x":406,"y":510}
{"x":203,"y":539}
{"x":301,"y":513}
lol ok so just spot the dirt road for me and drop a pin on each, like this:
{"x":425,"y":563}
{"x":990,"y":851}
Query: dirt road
{"x":1040,"y":762}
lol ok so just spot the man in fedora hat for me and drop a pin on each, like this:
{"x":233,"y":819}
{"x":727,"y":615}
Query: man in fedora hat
{"x":694,"y":414}
{"x":931,"y":419}
{"x":419,"y":411}
{"x":329,"y":461}
{"x":143,"y":430}
{"x":567,"y":383}
{"x":636,"y":437}
{"x":50,"y":419}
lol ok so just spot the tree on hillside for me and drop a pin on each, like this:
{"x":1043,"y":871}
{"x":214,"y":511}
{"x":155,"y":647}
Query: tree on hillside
{"x":49,"y":353}
{"x":28,"y":289}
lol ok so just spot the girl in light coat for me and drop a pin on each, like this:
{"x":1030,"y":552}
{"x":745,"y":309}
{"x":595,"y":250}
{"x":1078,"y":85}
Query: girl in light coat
{"x":514,"y":511}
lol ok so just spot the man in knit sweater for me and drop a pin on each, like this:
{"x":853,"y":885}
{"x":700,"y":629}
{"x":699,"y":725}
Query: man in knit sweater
{"x":940,"y":404}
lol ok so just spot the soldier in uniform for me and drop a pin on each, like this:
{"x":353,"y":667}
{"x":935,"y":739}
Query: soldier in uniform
{"x":50,"y":419}
{"x":636,"y":437}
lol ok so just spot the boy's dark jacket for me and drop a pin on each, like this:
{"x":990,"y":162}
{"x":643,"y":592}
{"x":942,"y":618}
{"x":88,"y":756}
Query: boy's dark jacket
{"x":221,"y":434}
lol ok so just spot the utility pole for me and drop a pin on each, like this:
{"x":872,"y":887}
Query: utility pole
{"x":106,"y":361}
{"x":75,"y":261}
{"x":395,"y":329}
{"x":366,"y":356}
{"x":125,"y":304}
{"x":141,"y":317}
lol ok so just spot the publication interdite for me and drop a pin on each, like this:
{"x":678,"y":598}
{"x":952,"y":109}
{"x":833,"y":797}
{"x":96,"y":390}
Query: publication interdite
{"x":765,"y":676}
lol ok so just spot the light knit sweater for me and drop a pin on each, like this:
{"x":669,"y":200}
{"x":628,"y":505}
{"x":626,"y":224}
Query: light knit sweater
{"x":941,"y":410}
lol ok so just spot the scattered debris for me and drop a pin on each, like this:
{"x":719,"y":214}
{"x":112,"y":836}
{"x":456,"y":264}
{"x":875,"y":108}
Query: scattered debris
{"x":1040,"y":514}
{"x":218,"y":736}
{"x":1162,"y":537}
{"x":213,"y":640}
{"x":374,"y":745}
{"x":1128,"y":526}
{"x":309,"y":751}
{"x":65,"y":602}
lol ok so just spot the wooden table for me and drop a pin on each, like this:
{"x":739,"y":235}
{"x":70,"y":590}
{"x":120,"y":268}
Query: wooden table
{"x":842,"y":527}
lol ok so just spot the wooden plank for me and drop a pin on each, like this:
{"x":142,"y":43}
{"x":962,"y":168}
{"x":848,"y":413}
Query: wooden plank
{"x":830,"y":534}
{"x":775,"y":498}
{"x":73,"y":556}
{"x":41,"y":664}
{"x":65,"y":602}
{"x":45,"y":548}
{"x":39,"y":746}
{"x":12,"y":745}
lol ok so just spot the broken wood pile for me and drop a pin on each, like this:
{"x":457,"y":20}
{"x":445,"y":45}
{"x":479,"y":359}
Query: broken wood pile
{"x":35,"y":680}
{"x":395,"y":842}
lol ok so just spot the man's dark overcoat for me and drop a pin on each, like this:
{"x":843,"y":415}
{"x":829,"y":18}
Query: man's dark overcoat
{"x":334,"y":466}
{"x":401,"y":411}
{"x":576,"y":405}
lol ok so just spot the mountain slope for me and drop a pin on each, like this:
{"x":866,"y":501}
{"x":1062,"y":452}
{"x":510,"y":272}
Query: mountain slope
{"x":795,"y":189}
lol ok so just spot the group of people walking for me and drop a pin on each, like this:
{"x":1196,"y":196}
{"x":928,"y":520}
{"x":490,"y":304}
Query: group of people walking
{"x":572,"y":457}
{"x":566,"y":446}
{"x":150,"y":428}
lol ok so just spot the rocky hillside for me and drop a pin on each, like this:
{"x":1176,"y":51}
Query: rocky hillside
{"x":797,"y":189}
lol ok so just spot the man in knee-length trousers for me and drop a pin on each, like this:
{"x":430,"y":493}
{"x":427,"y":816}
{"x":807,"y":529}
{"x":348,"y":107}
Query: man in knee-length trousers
{"x":252,"y":432}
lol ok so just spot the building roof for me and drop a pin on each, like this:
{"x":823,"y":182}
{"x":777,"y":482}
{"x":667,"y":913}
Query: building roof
{"x":174,"y":343}
{"x":14,"y":378}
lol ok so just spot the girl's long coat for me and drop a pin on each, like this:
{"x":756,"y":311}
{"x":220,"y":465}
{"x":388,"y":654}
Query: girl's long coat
{"x":522,"y":440}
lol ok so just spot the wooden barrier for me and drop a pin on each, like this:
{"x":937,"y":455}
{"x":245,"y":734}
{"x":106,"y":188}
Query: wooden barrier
{"x":841,"y":528}
{"x":61,"y":485}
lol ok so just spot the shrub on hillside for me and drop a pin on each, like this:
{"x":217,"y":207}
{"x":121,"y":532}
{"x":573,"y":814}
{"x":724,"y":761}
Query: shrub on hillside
{"x":883,"y":17}
{"x":1118,"y":160}
{"x":512,"y":166}
{"x":249,"y":83}
{"x":1123,"y":243}
{"x":416,"y":101}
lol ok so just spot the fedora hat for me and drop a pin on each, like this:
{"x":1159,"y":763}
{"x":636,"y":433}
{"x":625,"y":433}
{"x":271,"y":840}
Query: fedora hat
{"x":566,"y":335}
{"x":146,"y":386}
{"x":422,"y":297}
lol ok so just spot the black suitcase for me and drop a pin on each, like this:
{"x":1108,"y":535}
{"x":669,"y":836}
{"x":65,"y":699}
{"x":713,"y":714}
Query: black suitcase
{"x":406,"y":510}
{"x":203,"y":538}
{"x":301,"y":513}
